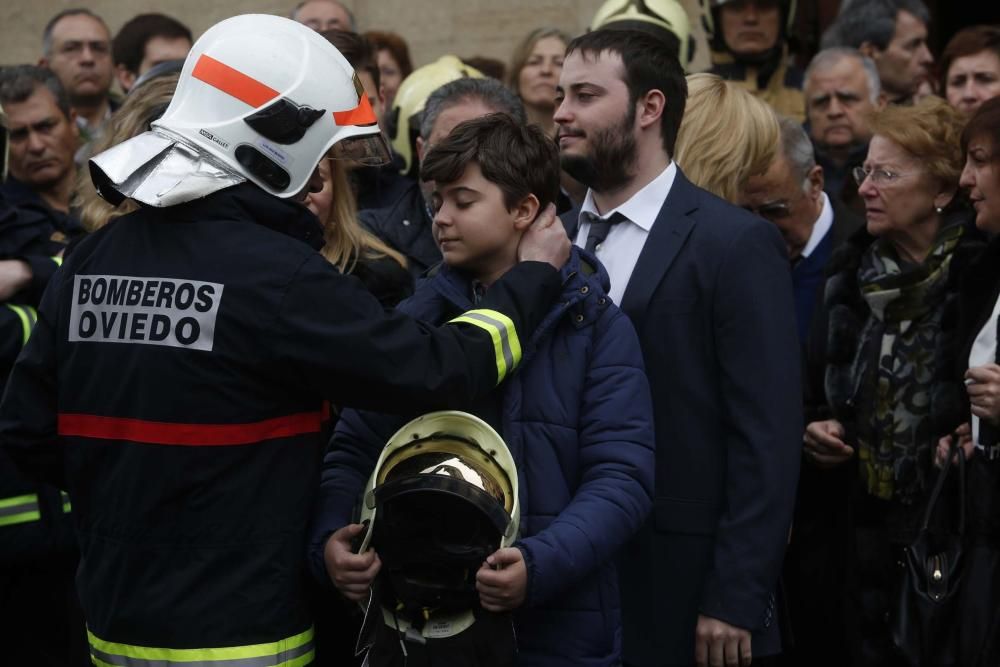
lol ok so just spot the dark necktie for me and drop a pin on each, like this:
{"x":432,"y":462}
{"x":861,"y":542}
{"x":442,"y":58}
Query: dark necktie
{"x":599,"y":228}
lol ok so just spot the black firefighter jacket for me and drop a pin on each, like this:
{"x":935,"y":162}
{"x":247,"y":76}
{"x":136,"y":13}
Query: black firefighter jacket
{"x":175,"y":385}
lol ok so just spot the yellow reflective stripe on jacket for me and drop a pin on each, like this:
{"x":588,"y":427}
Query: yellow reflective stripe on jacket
{"x":501,"y":330}
{"x":19,"y":509}
{"x":28,"y":317}
{"x":66,"y":505}
{"x":58,"y":260}
{"x":295,"y":651}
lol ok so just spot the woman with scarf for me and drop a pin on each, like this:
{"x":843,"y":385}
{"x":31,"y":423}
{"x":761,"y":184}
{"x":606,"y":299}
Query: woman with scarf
{"x":884,"y":346}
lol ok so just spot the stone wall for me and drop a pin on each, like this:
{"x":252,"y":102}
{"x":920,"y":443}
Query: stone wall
{"x":432,"y":27}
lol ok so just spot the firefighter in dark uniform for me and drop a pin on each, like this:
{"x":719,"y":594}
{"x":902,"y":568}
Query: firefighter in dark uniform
{"x":40,"y":618}
{"x":177,"y":377}
{"x":750,"y":48}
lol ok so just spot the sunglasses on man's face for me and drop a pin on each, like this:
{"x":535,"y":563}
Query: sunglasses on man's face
{"x":771,"y":211}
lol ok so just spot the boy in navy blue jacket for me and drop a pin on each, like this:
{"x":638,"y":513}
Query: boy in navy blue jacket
{"x":576,"y":414}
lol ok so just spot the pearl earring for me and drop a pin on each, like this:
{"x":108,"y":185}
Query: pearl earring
{"x":938,"y":209}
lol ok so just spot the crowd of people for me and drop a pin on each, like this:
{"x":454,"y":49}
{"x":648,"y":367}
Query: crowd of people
{"x":314,"y":354}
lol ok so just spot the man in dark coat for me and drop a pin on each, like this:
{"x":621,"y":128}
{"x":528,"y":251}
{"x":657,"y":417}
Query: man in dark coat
{"x":790,"y":195}
{"x":708,"y":288}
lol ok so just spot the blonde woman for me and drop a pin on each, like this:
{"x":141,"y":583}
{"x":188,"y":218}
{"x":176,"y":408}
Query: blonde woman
{"x":146,"y":103}
{"x":349,"y":246}
{"x":727,"y":135}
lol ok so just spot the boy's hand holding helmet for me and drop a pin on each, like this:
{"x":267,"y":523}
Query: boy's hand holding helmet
{"x":502,"y":581}
{"x":352,"y":573}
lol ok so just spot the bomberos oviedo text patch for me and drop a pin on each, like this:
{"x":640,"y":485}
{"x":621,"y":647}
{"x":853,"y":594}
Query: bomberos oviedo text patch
{"x":151,"y":311}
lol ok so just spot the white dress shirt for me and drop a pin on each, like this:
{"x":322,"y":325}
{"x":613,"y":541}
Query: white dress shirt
{"x":619,"y":252}
{"x":984,"y":350}
{"x":822,"y":226}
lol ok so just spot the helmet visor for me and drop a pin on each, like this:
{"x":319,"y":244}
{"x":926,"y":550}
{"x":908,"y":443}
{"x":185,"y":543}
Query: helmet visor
{"x":451,"y":458}
{"x":367,"y":149}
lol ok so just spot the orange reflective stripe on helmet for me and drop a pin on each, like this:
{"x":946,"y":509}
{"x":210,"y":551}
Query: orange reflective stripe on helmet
{"x":233,"y":82}
{"x":363,"y":114}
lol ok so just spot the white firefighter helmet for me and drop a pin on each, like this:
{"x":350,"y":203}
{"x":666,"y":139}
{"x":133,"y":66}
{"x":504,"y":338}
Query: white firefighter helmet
{"x":443,"y":497}
{"x":654,"y":16}
{"x":260,"y":98}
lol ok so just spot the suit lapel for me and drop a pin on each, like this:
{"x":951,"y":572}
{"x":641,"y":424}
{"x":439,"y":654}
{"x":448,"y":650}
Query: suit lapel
{"x":669,"y":232}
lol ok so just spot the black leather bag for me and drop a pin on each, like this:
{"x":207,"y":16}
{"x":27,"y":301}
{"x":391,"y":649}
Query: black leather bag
{"x":925,"y":613}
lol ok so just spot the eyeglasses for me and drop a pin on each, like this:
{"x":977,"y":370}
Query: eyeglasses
{"x":773,"y":211}
{"x":879,"y":177}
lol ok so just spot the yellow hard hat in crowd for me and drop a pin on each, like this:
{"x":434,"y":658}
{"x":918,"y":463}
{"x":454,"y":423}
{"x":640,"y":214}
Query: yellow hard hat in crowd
{"x":409,"y":101}
{"x":654,"y":16}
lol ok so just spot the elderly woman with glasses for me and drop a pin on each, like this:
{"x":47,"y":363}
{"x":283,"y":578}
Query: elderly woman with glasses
{"x":883,"y":346}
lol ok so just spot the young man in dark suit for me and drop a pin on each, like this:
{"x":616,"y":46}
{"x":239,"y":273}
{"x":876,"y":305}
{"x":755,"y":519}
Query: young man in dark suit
{"x":707,"y":286}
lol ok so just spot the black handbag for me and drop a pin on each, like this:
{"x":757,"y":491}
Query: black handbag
{"x":925,"y":613}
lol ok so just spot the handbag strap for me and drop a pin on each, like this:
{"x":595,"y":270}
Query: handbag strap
{"x":954,"y":451}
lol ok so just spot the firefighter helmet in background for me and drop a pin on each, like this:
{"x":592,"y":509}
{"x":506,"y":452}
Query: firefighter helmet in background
{"x":4,"y":142}
{"x":712,"y":23}
{"x":443,"y":497}
{"x":666,"y":19}
{"x":260,"y":98}
{"x":403,"y":126}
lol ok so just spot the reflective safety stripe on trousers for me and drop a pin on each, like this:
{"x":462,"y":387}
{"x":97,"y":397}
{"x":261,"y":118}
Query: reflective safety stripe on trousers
{"x":501,"y":330}
{"x":19,"y":509}
{"x":294,"y":651}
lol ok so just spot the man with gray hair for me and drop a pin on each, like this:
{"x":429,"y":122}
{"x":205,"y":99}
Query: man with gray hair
{"x":790,"y":195}
{"x":893,"y":33}
{"x":43,"y":138}
{"x":841,"y":87}
{"x":406,"y":225}
{"x":322,"y":15}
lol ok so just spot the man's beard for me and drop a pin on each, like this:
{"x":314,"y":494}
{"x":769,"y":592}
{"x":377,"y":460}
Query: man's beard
{"x":609,"y":163}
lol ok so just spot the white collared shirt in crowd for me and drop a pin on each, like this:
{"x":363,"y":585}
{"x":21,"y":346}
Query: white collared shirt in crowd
{"x":619,"y":252}
{"x":822,"y":226}
{"x":984,"y":351}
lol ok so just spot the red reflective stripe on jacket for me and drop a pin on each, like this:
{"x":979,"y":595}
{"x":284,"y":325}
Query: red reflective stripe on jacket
{"x":196,"y":435}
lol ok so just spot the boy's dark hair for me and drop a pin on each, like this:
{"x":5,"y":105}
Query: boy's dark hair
{"x":357,"y":50}
{"x":650,"y":64}
{"x":129,"y":46}
{"x":519,"y":159}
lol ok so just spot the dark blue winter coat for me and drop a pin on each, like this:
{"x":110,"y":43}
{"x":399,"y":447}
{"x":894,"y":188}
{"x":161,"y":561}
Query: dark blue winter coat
{"x":577,"y":418}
